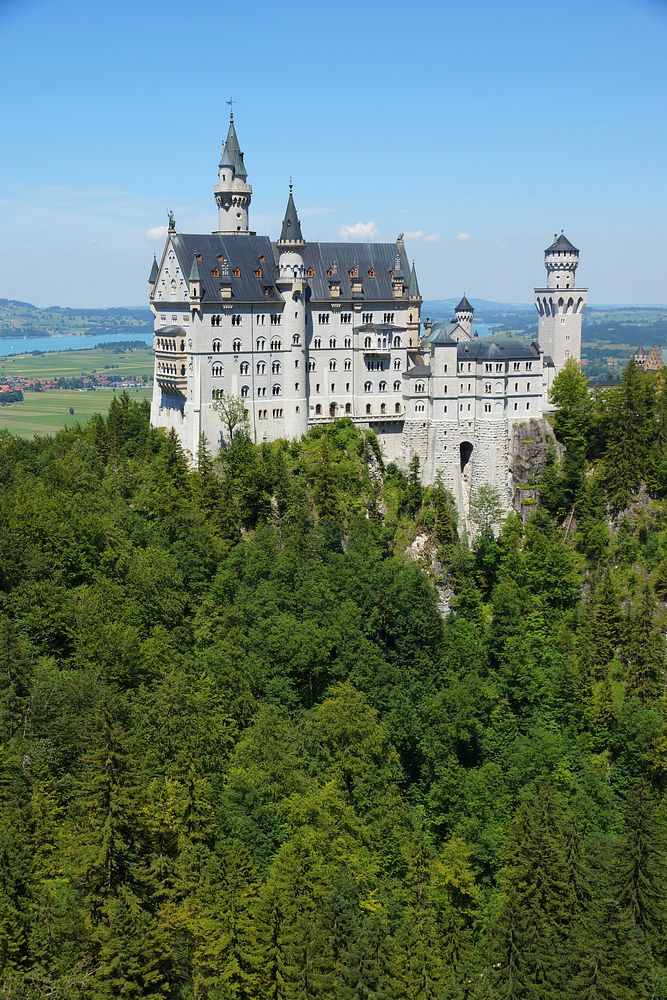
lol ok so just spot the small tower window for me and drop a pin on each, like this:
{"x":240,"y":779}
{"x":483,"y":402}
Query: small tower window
{"x":236,"y":346}
{"x":237,"y":271}
{"x":310,"y":273}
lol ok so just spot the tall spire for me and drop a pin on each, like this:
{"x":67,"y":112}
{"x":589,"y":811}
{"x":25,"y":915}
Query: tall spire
{"x":231,"y":151}
{"x":232,"y":192}
{"x":413,"y":290}
{"x":290,"y":234}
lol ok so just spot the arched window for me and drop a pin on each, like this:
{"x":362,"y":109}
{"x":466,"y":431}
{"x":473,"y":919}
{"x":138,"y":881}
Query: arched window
{"x":318,"y":409}
{"x":383,"y":407}
{"x":216,"y":371}
{"x":332,"y":366}
{"x":397,"y":341}
{"x":398,"y":407}
{"x":367,"y":341}
{"x":382,"y":386}
{"x":348,"y":364}
{"x":397,"y":364}
{"x":276,"y":390}
{"x":245,"y":368}
{"x":183,"y":370}
{"x":261,"y":344}
{"x":275,"y":368}
{"x":332,"y":342}
{"x":296,"y":339}
{"x":216,"y":346}
{"x":348,"y":407}
{"x":317,"y":343}
{"x":236,"y":346}
{"x":368,"y":407}
{"x":397,"y":385}
{"x":348,"y":342}
{"x":276,"y":345}
{"x":245,"y":391}
{"x":311,"y":366}
{"x":419,"y":407}
{"x":368,"y":386}
{"x":419,"y":387}
{"x":261,"y":367}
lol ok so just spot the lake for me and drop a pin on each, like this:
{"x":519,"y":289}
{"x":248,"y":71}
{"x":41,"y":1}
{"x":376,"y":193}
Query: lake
{"x":66,"y":342}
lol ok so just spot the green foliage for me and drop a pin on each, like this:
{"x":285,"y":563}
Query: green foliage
{"x":244,"y":755}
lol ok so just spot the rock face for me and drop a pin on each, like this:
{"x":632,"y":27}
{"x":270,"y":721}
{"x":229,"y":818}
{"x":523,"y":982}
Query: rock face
{"x":529,"y":444}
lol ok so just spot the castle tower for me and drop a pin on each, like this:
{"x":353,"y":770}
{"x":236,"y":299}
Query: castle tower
{"x":292,"y":284}
{"x":414,"y":295}
{"x":560,"y":304}
{"x":232,"y":192}
{"x":463,"y":315}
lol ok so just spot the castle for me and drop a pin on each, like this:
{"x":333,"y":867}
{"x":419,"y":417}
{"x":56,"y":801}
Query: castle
{"x":306,"y":332}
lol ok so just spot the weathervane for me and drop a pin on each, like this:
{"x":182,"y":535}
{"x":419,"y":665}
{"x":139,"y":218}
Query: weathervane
{"x":231,"y":102}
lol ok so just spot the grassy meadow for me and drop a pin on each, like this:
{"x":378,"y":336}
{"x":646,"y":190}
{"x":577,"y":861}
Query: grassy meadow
{"x":47,"y":412}
{"x":71,"y":364}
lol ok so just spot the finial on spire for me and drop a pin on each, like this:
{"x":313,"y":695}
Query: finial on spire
{"x":230,"y":102}
{"x":290,"y":184}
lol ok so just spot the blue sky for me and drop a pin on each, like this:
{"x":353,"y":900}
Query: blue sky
{"x":478,"y":129}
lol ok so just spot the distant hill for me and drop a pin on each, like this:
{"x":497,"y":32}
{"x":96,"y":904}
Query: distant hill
{"x":26,"y":320}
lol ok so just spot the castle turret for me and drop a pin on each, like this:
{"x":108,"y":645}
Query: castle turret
{"x":463,"y":315}
{"x":152,"y":278}
{"x":560,"y":304}
{"x":415,"y":298}
{"x":232,"y":192}
{"x":292,"y":284}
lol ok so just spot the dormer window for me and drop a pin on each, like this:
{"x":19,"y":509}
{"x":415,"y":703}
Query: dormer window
{"x":237,"y":272}
{"x":352,"y":273}
{"x":310,"y":273}
{"x":258,"y":273}
{"x":215,"y":272}
{"x":372,"y":273}
{"x":330,"y":272}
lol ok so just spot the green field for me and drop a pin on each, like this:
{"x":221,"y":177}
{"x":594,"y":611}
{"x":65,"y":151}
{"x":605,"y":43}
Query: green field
{"x":46,"y":412}
{"x":70,"y":364}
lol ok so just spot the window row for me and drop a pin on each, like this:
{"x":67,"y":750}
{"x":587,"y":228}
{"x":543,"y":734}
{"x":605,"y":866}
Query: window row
{"x":167,"y":369}
{"x":382,"y":386}
{"x":165,"y":344}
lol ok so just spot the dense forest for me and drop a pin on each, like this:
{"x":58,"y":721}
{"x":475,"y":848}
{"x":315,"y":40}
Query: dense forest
{"x":248,"y":751}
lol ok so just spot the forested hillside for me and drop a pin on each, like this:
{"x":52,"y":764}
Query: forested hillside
{"x":244,"y":754}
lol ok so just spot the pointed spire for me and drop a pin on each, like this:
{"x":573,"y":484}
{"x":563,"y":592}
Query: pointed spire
{"x":291,"y":231}
{"x":154,"y":272}
{"x":231,"y":152}
{"x":413,"y":290}
{"x":464,"y":306}
{"x":195,"y":274}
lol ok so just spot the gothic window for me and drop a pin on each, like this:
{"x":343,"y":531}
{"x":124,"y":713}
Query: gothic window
{"x":348,"y":407}
{"x":216,"y":371}
{"x":216,"y":346}
{"x":236,"y":319}
{"x":367,"y":341}
{"x":367,"y":318}
{"x":368,"y":407}
{"x":382,"y":386}
{"x":332,"y":343}
{"x":397,"y":342}
{"x":245,"y":368}
{"x":317,"y":343}
{"x":332,"y":366}
{"x":244,"y":391}
{"x":346,"y":317}
{"x":368,"y":386}
{"x":261,"y":344}
{"x":318,"y":409}
{"x":261,"y":391}
{"x":275,"y":319}
{"x":419,"y":407}
{"x":296,"y":339}
{"x":383,"y":407}
{"x":276,"y":390}
{"x":398,"y":408}
{"x":397,"y":364}
{"x":311,"y":366}
{"x":419,"y":387}
{"x":348,"y":365}
{"x":276,"y":345}
{"x":275,"y":368}
{"x":397,"y":386}
{"x":261,"y":367}
{"x":347,"y":342}
{"x":323,"y":318}
{"x":236,"y":346}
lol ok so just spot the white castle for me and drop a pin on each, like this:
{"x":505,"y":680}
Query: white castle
{"x":307,"y":332}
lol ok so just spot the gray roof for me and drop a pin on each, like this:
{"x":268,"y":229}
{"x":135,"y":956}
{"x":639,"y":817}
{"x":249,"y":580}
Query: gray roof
{"x":442,"y":333}
{"x":561,"y":244}
{"x":195,"y":274}
{"x":464,"y":306}
{"x":154,"y":271}
{"x":419,"y":371}
{"x":482,"y":350}
{"x":245,"y":252}
{"x":413,"y":290}
{"x":232,"y":155}
{"x":291,"y":231}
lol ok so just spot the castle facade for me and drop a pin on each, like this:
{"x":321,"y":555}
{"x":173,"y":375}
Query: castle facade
{"x":306,"y":332}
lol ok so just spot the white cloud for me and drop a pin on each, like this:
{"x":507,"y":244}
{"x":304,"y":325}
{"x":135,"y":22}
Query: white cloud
{"x":419,"y":234}
{"x":156,"y":233}
{"x":359,"y":231}
{"x":463,"y":236}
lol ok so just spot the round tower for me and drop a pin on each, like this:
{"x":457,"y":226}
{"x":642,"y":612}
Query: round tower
{"x":463,"y":315}
{"x":292,"y":284}
{"x":232,"y":192}
{"x":560,"y":304}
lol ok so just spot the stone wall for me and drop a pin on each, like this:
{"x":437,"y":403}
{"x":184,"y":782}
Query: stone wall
{"x":529,"y":444}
